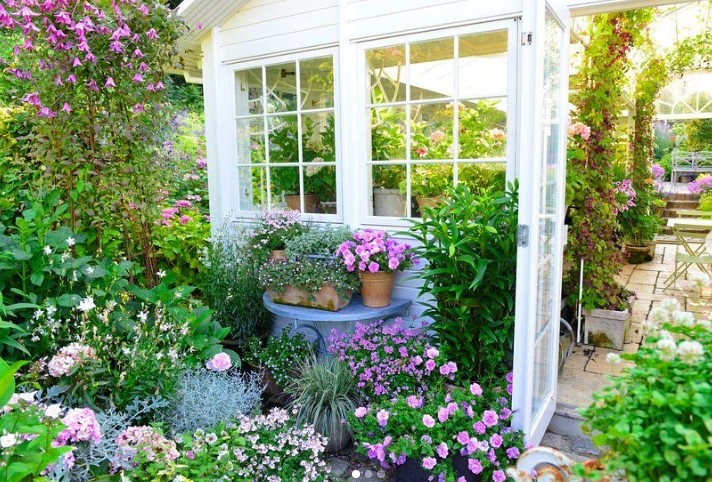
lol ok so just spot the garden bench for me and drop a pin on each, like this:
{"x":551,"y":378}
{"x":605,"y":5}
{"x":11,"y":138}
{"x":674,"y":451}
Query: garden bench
{"x":684,"y":162}
{"x":692,"y":213}
{"x":313,"y":320}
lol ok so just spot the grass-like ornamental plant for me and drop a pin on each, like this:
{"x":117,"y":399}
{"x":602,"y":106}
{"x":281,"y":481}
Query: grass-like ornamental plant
{"x":432,"y":430}
{"x":655,"y":416}
{"x":324,"y":395}
{"x":205,"y":398}
{"x":307,"y":274}
{"x":470,"y":245}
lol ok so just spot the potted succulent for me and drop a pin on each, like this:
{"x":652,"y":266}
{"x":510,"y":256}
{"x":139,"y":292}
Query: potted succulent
{"x":313,"y":283}
{"x":273,"y":229}
{"x":323,"y":395}
{"x":376,"y":258}
{"x":459,"y":435}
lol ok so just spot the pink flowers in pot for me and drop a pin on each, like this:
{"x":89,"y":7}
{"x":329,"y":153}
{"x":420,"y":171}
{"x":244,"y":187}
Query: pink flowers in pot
{"x":373,"y":251}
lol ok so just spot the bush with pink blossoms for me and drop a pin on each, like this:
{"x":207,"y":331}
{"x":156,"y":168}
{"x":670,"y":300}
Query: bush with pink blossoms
{"x":274,"y":228}
{"x":372,"y":250}
{"x":81,"y":427}
{"x":388,"y":359}
{"x":263,"y":448}
{"x":137,"y":445}
{"x":434,"y":428}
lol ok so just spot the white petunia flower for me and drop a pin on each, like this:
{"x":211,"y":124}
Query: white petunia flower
{"x":690,"y":351}
{"x":667,"y":349}
{"x":670,"y":304}
{"x":87,"y":304}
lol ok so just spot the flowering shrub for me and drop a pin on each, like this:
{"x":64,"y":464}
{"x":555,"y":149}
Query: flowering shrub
{"x":655,"y":416}
{"x":143,"y":444}
{"x":180,"y":240}
{"x":274,"y":228}
{"x":281,"y":355}
{"x":374,"y":251}
{"x":389,"y":359}
{"x":658,"y":172}
{"x":701,"y":185}
{"x":625,"y":196}
{"x":263,"y":448}
{"x":433,"y":428}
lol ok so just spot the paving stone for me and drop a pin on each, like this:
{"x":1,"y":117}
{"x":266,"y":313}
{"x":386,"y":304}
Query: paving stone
{"x":584,"y":445}
{"x":555,"y":441}
{"x":600,"y":365}
{"x":643,"y":278}
{"x":339,"y":466}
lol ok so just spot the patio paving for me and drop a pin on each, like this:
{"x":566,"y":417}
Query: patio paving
{"x":586,"y":370}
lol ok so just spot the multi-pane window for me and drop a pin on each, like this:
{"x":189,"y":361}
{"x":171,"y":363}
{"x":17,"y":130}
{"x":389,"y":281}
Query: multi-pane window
{"x":438,"y":116}
{"x":286,"y":141}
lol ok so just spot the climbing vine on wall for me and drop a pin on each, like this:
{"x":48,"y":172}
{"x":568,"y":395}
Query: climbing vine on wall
{"x":599,"y":85}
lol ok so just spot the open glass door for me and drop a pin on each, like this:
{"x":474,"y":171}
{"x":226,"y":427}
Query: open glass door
{"x":541,"y":199}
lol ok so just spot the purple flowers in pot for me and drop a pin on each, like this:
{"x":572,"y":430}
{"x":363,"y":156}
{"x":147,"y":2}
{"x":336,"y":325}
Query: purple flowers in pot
{"x":374,"y":251}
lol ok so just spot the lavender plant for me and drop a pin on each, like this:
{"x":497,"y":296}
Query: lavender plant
{"x":206,"y":398}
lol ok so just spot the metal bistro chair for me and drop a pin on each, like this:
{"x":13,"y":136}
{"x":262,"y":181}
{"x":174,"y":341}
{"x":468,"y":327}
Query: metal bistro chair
{"x":687,"y":255}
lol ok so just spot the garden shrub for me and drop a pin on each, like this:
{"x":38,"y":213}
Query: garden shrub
{"x":205,"y":398}
{"x":231,"y":288}
{"x":470,"y":245}
{"x":698,"y":133}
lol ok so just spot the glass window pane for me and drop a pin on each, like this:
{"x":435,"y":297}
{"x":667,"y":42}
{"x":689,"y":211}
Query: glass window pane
{"x":481,"y":176}
{"x":248,"y":92}
{"x":388,"y":133}
{"x":482,"y":129}
{"x":480,"y":53}
{"x":318,"y":137}
{"x":429,"y":183}
{"x":284,"y":185}
{"x":320,"y":188}
{"x":283,"y":138}
{"x":386,"y":74}
{"x":250,"y":141}
{"x":281,"y":87}
{"x":431,"y":131}
{"x":316,"y":77}
{"x":253,"y":188}
{"x":432,"y":69}
{"x":389,"y":189}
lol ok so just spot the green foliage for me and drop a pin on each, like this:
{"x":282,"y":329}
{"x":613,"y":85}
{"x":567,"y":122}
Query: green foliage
{"x":281,"y":355}
{"x":184,"y":96}
{"x":698,"y":133}
{"x":470,"y":246}
{"x":599,"y":94}
{"x":321,"y":241}
{"x":27,"y":433}
{"x":231,"y":288}
{"x":705,"y":202}
{"x":324,"y":395}
{"x":180,"y":243}
{"x":654,"y":418}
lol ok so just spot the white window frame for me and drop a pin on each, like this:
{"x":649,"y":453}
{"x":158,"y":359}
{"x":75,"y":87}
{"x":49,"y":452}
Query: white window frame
{"x":263,"y":62}
{"x":364,"y":131}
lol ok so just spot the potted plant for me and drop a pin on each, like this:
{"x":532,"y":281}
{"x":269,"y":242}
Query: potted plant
{"x":323,"y":395}
{"x":388,"y":199}
{"x":313,"y":283}
{"x":460,"y":435}
{"x":376,"y":258}
{"x":318,"y":242}
{"x":429,"y":184}
{"x":278,"y":358}
{"x":273,"y":229}
{"x":654,"y":416}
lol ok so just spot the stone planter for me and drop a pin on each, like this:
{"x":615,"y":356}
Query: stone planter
{"x":413,"y":471}
{"x":388,"y":202}
{"x":377,"y":288}
{"x":327,"y":298}
{"x":640,"y":254}
{"x":311,"y":202}
{"x":607,"y":328}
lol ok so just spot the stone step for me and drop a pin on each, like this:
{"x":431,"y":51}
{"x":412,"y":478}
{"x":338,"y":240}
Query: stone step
{"x":685,"y":204}
{"x":681,"y":196}
{"x":566,"y":421}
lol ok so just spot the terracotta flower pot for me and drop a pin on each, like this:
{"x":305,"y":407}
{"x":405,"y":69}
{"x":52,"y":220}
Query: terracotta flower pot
{"x":640,"y":254}
{"x":377,"y":288}
{"x":311,"y":202}
{"x":327,"y":298}
{"x":428,"y":202}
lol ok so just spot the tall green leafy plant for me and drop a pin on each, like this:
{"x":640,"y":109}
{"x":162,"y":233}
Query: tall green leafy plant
{"x":470,"y":245}
{"x":599,"y":85}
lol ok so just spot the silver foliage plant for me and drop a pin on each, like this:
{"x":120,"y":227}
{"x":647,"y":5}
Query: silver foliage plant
{"x":205,"y":398}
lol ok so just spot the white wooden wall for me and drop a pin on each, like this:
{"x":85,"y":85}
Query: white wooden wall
{"x":264,"y":28}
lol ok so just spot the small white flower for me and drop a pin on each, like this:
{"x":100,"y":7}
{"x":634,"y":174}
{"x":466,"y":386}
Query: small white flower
{"x":690,"y":351}
{"x":161,"y":274}
{"x":143,"y":316}
{"x":65,"y":257}
{"x":53,"y":411}
{"x":87,"y":304}
{"x":613,"y":358}
{"x":47,"y":250}
{"x":89,"y":270}
{"x":667,"y":349}
{"x":8,"y":440}
{"x":670,"y":304}
{"x":71,"y":242}
{"x":700,"y":280}
{"x":51,"y":310}
{"x":29,"y":397}
{"x":683,"y":318}
{"x":38,"y":314}
{"x":658,"y":316}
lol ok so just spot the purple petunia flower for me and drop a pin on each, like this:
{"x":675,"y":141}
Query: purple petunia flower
{"x":429,"y":463}
{"x":475,"y":466}
{"x":490,"y":418}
